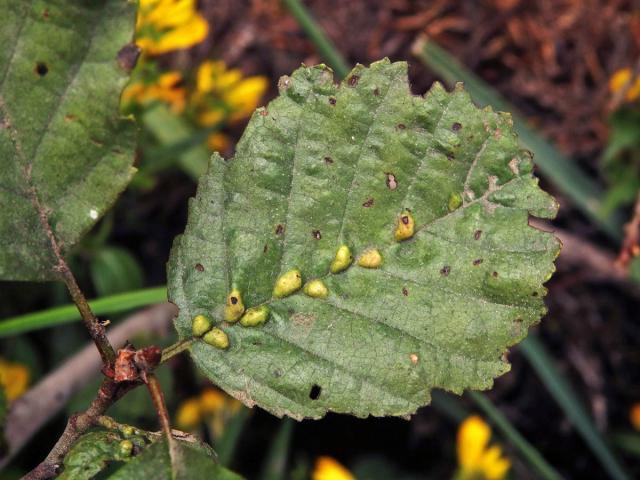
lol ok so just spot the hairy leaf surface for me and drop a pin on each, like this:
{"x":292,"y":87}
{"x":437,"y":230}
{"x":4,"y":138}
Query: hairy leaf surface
{"x":65,"y":151}
{"x":326,"y":165}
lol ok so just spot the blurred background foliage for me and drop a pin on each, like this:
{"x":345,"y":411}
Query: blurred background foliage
{"x":570,"y":68}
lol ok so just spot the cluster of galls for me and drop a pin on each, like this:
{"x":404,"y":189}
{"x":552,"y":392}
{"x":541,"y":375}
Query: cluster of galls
{"x":289,"y":283}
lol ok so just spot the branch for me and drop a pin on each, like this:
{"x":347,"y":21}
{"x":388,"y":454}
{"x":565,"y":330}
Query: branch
{"x":35,"y":408}
{"x":95,"y":328}
{"x":158,"y":401}
{"x":631,"y":243}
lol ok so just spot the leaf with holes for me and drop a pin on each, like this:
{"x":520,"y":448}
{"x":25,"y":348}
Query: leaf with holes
{"x":412,"y":212}
{"x":65,"y":151}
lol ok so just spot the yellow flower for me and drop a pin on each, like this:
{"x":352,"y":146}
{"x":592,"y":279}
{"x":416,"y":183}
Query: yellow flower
{"x":189,"y":414}
{"x":166,"y":25}
{"x":328,"y":469}
{"x":14,"y":379}
{"x":620,"y":79}
{"x":476,"y":461}
{"x":223,"y":94}
{"x":218,"y":142}
{"x":167,"y":89}
{"x":634,"y":416}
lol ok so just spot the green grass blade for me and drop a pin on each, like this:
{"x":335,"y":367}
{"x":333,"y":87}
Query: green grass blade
{"x":227,"y":445}
{"x":542,"y":362}
{"x":275,"y":463}
{"x":527,"y":451}
{"x":565,"y":175}
{"x":326,"y":48}
{"x":52,"y":317}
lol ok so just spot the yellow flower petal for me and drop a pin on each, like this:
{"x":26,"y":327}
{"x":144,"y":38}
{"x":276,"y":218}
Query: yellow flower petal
{"x":189,"y":414}
{"x":327,"y":468}
{"x":218,"y":142}
{"x":473,"y":437}
{"x":212,"y":401}
{"x":14,"y":379}
{"x":634,"y":416}
{"x":493,"y":465}
{"x":620,"y":79}
{"x":183,"y":36}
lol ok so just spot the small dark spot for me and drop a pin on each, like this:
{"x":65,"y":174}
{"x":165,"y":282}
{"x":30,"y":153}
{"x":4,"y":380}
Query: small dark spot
{"x":376,"y":91}
{"x":328,"y":160}
{"x":534,"y":294}
{"x":353,"y":80}
{"x":450,"y":156}
{"x":41,"y":69}
{"x":199,"y":267}
{"x":391,"y":181}
{"x":456,"y":126}
{"x":265,"y":248}
{"x":495,"y":274}
{"x":314,"y":394}
{"x":518,"y":320}
{"x":234,"y":300}
{"x":332,"y":100}
{"x":45,"y":14}
{"x":277,"y":373}
{"x":444,"y":271}
{"x":279,"y":229}
{"x":264,"y":112}
{"x":316,"y":234}
{"x":256,"y":343}
{"x":405,"y":292}
{"x":128,"y":56}
{"x":401,"y":126}
{"x":368,"y":203}
{"x":96,"y":142}
{"x":405,"y":219}
{"x":477,"y":234}
{"x":477,"y":261}
{"x":70,"y":118}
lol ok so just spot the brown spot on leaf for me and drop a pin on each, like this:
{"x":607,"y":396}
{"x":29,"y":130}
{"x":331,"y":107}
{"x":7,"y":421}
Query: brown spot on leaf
{"x":405,"y":292}
{"x":264,"y":112}
{"x":128,"y":56}
{"x":450,"y":156}
{"x":199,"y":267}
{"x":45,"y":13}
{"x":391,"y":181}
{"x":316,"y":234}
{"x":353,"y":80}
{"x":265,"y":248}
{"x":444,"y":271}
{"x":534,"y":294}
{"x":456,"y":126}
{"x":328,"y":160}
{"x":41,"y":69}
{"x":279,"y":229}
{"x":332,"y":100}
{"x":376,"y":91}
{"x":494,"y":274}
{"x":404,"y":219}
{"x":477,"y":234}
{"x":401,"y":126}
{"x":414,"y":358}
{"x":477,"y":262}
{"x":70,"y":117}
{"x":368,"y":203}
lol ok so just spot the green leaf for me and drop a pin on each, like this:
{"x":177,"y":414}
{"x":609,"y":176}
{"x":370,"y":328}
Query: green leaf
{"x":325,"y":165}
{"x":146,"y":456}
{"x":115,"y":270}
{"x":65,"y":151}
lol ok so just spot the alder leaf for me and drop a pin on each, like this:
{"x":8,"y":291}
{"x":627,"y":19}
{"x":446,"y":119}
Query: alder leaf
{"x":65,"y":151}
{"x":115,"y":456}
{"x":328,"y":165}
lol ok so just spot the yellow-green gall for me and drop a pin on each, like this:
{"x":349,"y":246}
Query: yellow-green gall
{"x":217,"y":337}
{"x":406,"y":226}
{"x":288,"y":283}
{"x":234,"y":308}
{"x":126,"y":448}
{"x":255,"y":316}
{"x":200,"y":325}
{"x":127,"y":430}
{"x":316,"y":289}
{"x":370,"y":258}
{"x":455,"y":201}
{"x":342,"y":260}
